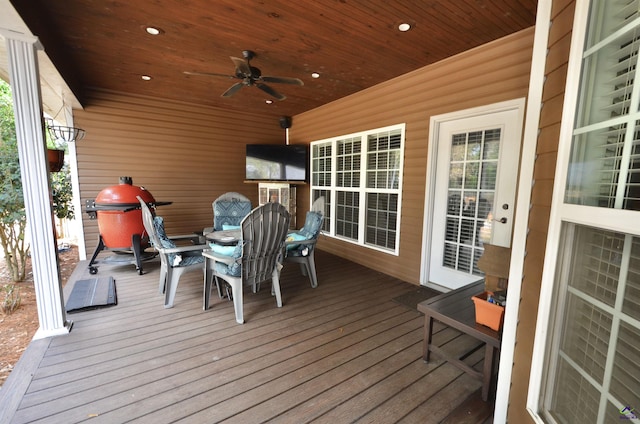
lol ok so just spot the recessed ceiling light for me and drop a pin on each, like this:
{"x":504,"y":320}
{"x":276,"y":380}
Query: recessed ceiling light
{"x":146,"y":77}
{"x":315,"y":75}
{"x":153,"y":30}
{"x":404,"y":27}
{"x":268,"y":101}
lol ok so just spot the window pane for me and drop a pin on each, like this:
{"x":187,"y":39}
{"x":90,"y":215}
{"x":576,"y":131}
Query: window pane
{"x":381,"y":216}
{"x":472,"y":185}
{"x":458,"y":147}
{"x":347,"y":212}
{"x":472,"y":172}
{"x":631,"y":302}
{"x":326,"y":223}
{"x":455,"y":175}
{"x":489,"y":175}
{"x":625,"y":381}
{"x":586,"y":337}
{"x":348,"y":163}
{"x":383,"y":160}
{"x":321,"y":165}
{"x":610,"y":72}
{"x":474,"y":145}
{"x":608,"y":16}
{"x":598,"y":265}
{"x":364,"y":167}
{"x":576,"y":400}
{"x":595,"y":323}
{"x":605,"y":158}
{"x":595,"y":167}
{"x":491,"y":146}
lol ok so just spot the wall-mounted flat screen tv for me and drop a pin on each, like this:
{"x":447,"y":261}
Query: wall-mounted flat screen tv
{"x":277,"y":162}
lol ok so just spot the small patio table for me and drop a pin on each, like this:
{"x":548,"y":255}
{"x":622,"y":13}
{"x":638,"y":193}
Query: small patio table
{"x":224,"y":237}
{"x":456,"y":309}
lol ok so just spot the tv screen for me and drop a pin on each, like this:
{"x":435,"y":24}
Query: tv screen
{"x":276,"y":162}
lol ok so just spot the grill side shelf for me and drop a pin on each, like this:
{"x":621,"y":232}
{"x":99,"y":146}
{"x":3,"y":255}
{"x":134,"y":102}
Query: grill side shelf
{"x":91,"y":207}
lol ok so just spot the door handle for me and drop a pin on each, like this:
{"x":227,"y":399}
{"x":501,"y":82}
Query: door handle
{"x":502,"y":220}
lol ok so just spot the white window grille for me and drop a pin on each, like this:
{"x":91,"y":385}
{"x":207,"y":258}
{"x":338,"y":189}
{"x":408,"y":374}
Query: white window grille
{"x":360,"y":177}
{"x":593,"y":349}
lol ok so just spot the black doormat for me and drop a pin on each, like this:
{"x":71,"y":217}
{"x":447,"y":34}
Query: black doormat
{"x":92,"y":293}
{"x":412,"y":298}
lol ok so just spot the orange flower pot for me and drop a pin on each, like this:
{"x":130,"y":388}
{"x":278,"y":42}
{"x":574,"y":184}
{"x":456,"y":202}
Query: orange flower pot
{"x":488,"y":314}
{"x":56,"y":159}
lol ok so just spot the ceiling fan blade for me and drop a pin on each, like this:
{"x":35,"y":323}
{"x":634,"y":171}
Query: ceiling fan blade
{"x":232,"y":90}
{"x":283,"y":80}
{"x":209,"y":74}
{"x":241,"y":65}
{"x":270,"y":91}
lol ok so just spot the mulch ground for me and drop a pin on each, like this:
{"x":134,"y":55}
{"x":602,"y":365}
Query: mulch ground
{"x":17,"y":329}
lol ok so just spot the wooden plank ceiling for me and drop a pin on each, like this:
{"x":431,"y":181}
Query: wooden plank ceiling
{"x":352,"y":44}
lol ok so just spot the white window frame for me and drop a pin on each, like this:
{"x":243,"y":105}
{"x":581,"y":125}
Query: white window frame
{"x":362,"y":190}
{"x":618,"y":220}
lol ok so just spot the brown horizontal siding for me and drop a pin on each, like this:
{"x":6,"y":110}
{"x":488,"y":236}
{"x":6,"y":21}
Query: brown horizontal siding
{"x":545,"y":168}
{"x":492,"y":73}
{"x":544,"y":175}
{"x":558,"y":53}
{"x":542,"y":192}
{"x":548,"y":138}
{"x":552,"y":110}
{"x":555,"y":82}
{"x":539,"y":218}
{"x":183,"y":153}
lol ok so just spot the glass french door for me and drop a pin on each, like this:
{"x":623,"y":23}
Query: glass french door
{"x":474,"y":196}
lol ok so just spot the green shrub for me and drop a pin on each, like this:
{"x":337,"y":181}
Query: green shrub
{"x":13,"y":219}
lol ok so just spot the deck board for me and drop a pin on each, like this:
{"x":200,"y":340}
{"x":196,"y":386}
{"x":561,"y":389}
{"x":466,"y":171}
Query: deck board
{"x":343,"y":352}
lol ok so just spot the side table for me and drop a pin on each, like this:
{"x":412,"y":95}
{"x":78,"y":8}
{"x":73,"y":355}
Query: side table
{"x":456,"y":309}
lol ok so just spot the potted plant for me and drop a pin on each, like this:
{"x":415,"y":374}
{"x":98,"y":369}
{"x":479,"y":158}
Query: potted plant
{"x":55,"y":157}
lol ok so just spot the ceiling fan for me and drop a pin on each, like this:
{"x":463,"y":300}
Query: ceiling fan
{"x":250,"y":76}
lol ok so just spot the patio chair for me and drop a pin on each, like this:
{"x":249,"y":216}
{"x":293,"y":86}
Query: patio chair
{"x":174,"y":260}
{"x":300,"y":244}
{"x":318,"y":205}
{"x":256,"y":258}
{"x":228,"y":211}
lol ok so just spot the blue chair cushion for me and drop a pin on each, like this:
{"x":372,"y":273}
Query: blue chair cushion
{"x":312,"y":224}
{"x":191,"y":258}
{"x":175,"y":259}
{"x":230,"y":227}
{"x":310,"y":231}
{"x":234,"y":252}
{"x":167,"y":243}
{"x":229,"y":212}
{"x":223,"y":250}
{"x":294,"y":237}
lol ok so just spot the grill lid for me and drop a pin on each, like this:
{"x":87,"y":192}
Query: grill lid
{"x":121,"y":197}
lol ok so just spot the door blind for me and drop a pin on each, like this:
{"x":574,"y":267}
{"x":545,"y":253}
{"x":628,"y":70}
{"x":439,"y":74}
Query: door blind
{"x":472,"y":185}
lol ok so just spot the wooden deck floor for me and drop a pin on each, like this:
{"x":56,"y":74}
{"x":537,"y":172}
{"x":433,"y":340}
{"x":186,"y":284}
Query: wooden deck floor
{"x":343,"y":352}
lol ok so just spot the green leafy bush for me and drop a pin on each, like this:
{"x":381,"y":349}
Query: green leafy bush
{"x":13,"y":219}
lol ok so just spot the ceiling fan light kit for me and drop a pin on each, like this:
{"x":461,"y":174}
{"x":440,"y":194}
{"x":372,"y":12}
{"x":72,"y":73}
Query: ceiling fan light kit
{"x":251,"y":76}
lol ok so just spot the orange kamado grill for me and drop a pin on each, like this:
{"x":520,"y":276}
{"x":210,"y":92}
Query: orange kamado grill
{"x":120,"y":223}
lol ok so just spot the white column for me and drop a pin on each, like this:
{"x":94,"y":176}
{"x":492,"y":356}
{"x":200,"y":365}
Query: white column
{"x":27,"y":102}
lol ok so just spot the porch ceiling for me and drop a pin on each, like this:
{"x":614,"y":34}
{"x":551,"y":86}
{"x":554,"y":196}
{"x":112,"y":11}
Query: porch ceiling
{"x":353,"y":45}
